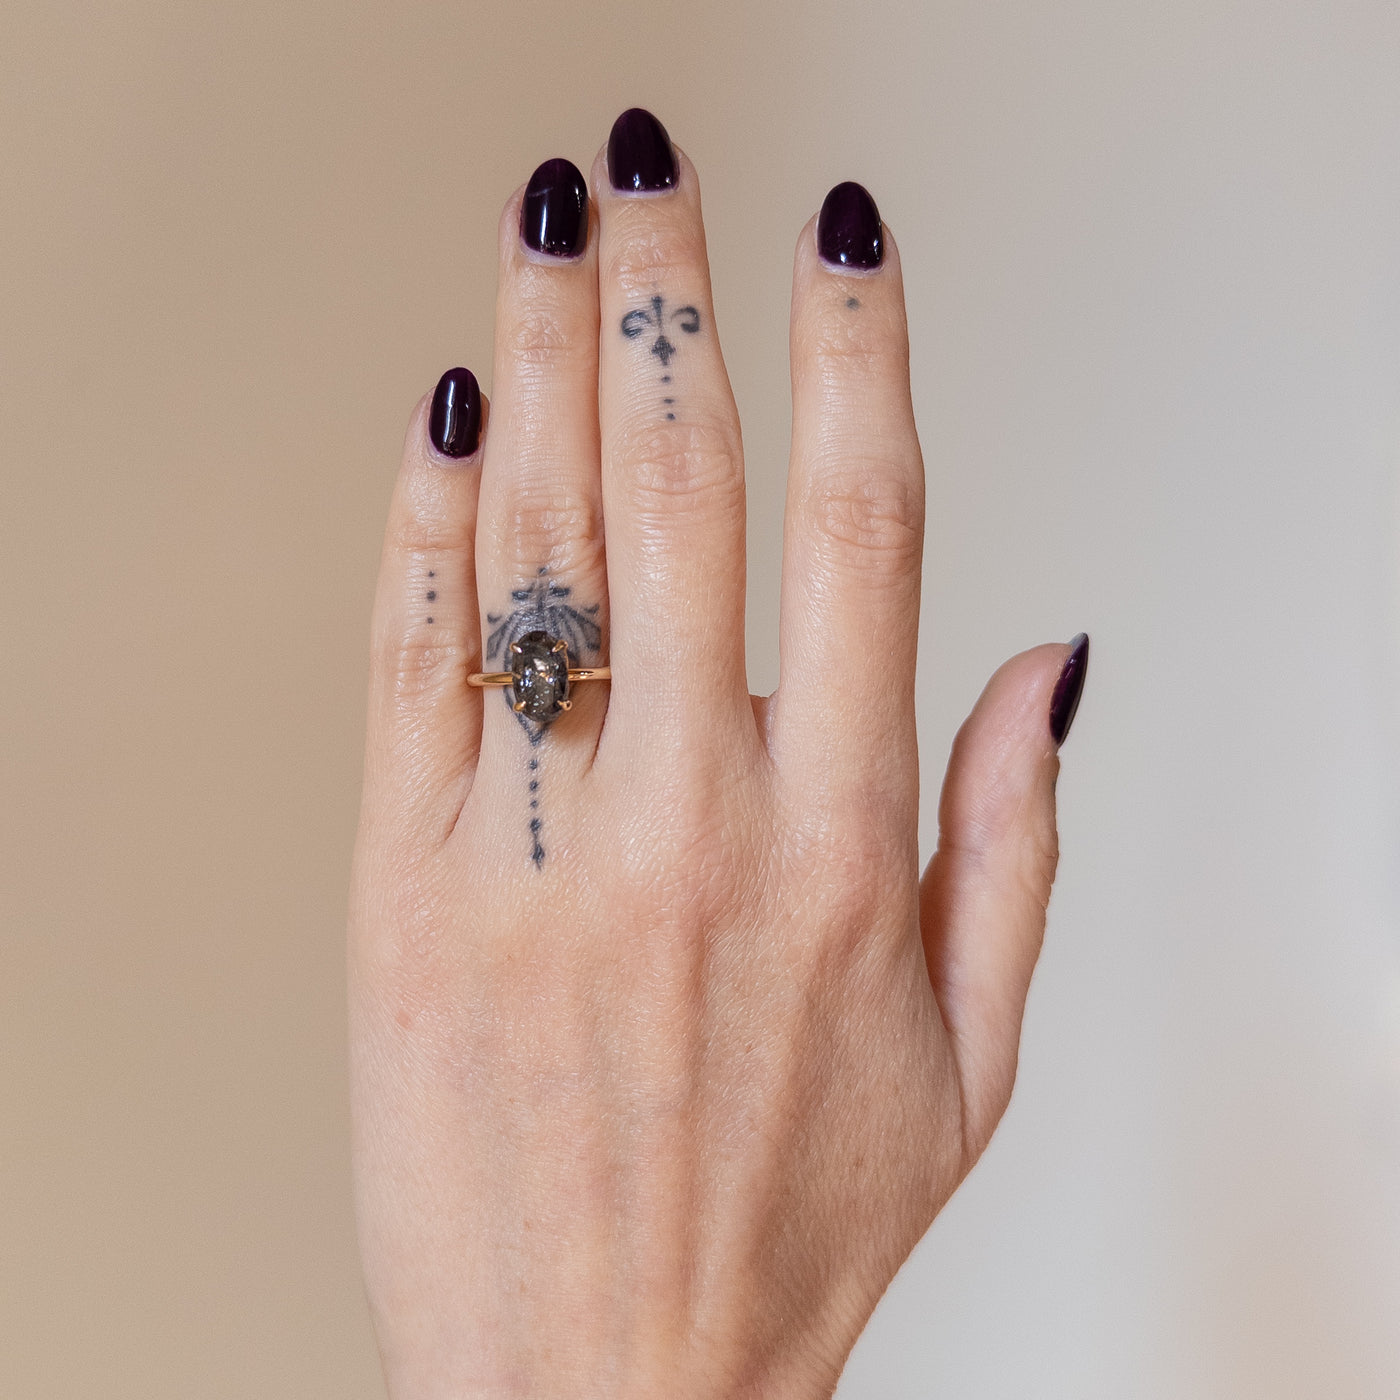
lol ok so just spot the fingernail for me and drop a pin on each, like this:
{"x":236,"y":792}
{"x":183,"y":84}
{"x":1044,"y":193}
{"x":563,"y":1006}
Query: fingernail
{"x":455,"y":421}
{"x":554,"y":213}
{"x":849,"y":232}
{"x":1065,"y":701}
{"x":640,"y":157}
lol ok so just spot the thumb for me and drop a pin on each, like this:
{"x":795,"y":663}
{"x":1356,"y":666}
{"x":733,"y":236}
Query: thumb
{"x":983,"y":896}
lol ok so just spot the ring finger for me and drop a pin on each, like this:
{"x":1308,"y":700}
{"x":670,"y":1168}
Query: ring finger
{"x":539,"y":552}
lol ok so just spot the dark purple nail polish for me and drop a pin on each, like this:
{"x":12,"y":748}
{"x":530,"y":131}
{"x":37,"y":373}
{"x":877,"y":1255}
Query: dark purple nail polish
{"x":849,"y":231}
{"x":455,"y":421}
{"x":1065,"y":701}
{"x":639,"y":154}
{"x":554,"y":213}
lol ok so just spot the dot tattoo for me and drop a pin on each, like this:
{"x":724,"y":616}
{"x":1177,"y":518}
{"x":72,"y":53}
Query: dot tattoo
{"x":852,"y":304}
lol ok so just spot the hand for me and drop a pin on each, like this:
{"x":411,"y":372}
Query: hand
{"x":663,"y":1056}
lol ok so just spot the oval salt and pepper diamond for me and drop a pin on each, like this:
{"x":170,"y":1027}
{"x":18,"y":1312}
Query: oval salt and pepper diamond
{"x":539,"y":668}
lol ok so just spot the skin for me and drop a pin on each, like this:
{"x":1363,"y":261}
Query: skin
{"x":663,"y":1112}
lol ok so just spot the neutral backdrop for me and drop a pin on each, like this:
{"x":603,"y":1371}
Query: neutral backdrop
{"x":1151,"y":251}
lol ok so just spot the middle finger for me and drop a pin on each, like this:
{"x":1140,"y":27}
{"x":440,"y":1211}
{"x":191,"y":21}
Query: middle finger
{"x":672,"y":461}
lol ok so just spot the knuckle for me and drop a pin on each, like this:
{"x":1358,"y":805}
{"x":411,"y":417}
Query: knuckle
{"x":870,"y":345}
{"x":416,"y":661}
{"x":539,"y":529}
{"x":433,"y":512}
{"x":540,"y":337}
{"x":403,"y":957}
{"x":689,"y":812}
{"x":672,"y":466}
{"x":853,"y":897}
{"x":849,"y":860}
{"x":655,"y":257}
{"x":854,"y":878}
{"x":1036,"y":858}
{"x":425,"y":533}
{"x":872,"y":518}
{"x":843,"y":357}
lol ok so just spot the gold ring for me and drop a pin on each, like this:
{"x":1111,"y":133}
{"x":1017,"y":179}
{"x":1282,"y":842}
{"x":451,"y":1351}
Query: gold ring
{"x":540,"y":676}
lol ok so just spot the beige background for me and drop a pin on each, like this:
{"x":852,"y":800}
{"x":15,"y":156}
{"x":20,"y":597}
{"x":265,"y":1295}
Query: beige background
{"x":1151,"y":252}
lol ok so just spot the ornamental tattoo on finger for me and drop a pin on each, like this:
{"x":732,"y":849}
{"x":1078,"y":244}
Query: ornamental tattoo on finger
{"x":655,"y":318}
{"x":545,"y":633}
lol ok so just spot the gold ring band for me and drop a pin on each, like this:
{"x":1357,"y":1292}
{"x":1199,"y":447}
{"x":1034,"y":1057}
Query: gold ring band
{"x":576,"y":673}
{"x":540,"y":675}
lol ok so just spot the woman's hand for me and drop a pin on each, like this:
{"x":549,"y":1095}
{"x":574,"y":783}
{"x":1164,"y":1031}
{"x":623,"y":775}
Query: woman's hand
{"x":663,"y":1056}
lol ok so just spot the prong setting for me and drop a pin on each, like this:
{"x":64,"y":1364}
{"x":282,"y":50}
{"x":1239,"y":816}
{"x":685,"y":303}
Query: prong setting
{"x":539,"y":670}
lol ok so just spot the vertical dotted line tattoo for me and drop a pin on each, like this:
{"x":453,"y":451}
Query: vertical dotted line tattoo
{"x":542,"y":607}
